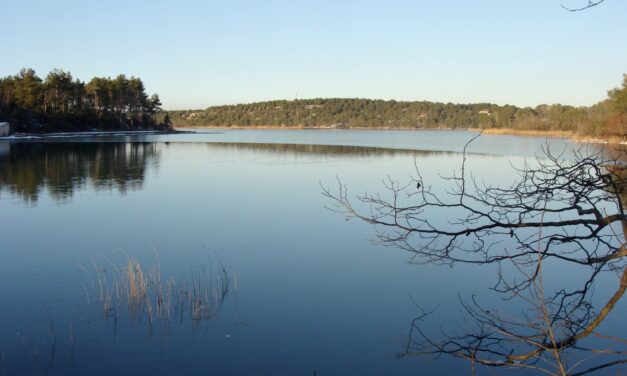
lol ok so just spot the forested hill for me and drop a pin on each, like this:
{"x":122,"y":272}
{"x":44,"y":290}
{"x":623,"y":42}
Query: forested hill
{"x":338,"y":113}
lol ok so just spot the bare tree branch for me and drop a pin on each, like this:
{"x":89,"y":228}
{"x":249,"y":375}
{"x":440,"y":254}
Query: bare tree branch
{"x":565,"y":210}
{"x":590,"y":4}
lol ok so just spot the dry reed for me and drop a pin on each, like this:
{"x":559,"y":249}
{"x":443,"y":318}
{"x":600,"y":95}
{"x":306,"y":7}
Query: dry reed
{"x":143,"y":294}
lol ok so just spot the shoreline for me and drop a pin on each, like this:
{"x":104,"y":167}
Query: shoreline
{"x":48,"y":135}
{"x":190,"y":129}
{"x":552,"y":134}
{"x":489,"y":131}
{"x":277,"y":127}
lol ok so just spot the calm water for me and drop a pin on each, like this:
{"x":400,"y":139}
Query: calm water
{"x":307,"y":291}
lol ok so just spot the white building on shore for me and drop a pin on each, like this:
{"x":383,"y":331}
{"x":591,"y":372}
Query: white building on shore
{"x":4,"y":129}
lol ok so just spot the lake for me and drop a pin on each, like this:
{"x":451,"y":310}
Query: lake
{"x":258,"y":276}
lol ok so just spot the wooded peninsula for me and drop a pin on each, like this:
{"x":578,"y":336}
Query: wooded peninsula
{"x":61,"y":103}
{"x":606,"y":119}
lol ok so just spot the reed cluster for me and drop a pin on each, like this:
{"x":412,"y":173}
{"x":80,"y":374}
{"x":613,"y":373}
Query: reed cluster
{"x":143,"y":294}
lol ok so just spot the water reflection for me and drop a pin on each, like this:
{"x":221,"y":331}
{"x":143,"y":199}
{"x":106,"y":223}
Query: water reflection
{"x":312,"y":293}
{"x":64,"y":168}
{"x":325,"y":150}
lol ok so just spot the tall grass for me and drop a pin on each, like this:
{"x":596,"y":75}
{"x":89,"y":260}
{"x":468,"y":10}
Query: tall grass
{"x":137,"y":283}
{"x":142,"y":293}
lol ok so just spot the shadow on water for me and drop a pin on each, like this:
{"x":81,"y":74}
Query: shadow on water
{"x":325,"y":150}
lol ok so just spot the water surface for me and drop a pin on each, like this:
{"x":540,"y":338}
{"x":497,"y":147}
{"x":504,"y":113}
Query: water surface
{"x":309,"y":292}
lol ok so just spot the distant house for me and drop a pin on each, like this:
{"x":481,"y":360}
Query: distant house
{"x":485,"y":112}
{"x":4,"y":129}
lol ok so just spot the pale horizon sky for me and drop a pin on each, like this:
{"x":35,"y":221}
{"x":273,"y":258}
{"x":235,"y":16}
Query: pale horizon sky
{"x":195,"y":54}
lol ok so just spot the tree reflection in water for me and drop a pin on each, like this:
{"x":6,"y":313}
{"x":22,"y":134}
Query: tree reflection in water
{"x":26,"y":169}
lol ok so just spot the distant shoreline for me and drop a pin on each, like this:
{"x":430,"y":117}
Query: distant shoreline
{"x":49,"y":135}
{"x":185,"y":129}
{"x":491,"y":131}
{"x":276,"y":127}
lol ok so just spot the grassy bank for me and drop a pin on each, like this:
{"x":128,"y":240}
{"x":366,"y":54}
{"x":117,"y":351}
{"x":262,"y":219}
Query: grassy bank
{"x":553,"y":134}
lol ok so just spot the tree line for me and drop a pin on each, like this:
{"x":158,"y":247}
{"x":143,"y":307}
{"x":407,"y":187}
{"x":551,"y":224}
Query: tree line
{"x":604,"y":119}
{"x":62,"y":102}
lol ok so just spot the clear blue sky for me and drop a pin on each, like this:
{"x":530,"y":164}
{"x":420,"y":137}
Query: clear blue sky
{"x":201,"y":53}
